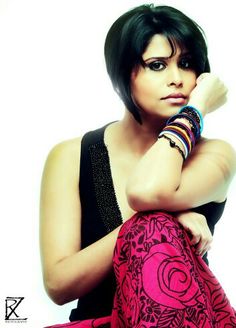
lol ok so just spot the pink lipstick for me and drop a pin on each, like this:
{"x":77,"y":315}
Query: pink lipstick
{"x":175,"y":99}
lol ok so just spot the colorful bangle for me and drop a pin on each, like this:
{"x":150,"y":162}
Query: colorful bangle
{"x":180,"y":139}
{"x":181,"y":132}
{"x":194,"y":125}
{"x":172,"y":144}
{"x":195,"y":113}
{"x":186,"y":129}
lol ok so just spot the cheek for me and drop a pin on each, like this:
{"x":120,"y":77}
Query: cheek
{"x":141,"y":88}
{"x":144,"y":85}
{"x":192,"y":79}
{"x":142,"y":93}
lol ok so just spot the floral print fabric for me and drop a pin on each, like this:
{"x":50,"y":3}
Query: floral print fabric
{"x":161,"y":282}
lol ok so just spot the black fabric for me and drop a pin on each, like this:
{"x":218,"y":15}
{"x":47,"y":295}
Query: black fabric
{"x":101,"y":214}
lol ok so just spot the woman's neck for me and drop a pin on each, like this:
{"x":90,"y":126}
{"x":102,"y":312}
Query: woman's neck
{"x":131,"y":135}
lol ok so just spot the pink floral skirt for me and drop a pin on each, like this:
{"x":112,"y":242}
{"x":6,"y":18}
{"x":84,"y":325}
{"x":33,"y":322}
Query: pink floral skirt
{"x":161,"y":282}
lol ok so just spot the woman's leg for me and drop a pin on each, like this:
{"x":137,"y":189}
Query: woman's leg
{"x":161,"y":282}
{"x":91,"y":323}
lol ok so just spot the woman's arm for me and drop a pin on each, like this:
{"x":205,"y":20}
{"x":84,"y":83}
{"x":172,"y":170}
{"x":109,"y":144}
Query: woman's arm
{"x":68,"y":271}
{"x":161,"y":181}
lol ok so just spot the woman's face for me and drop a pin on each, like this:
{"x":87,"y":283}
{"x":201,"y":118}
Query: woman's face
{"x":163,"y":86}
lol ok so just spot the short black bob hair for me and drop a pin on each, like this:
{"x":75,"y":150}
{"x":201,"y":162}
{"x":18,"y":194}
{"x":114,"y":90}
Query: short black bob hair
{"x":130,"y":34}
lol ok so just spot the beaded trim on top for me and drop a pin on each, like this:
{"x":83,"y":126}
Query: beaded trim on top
{"x":104,"y":188}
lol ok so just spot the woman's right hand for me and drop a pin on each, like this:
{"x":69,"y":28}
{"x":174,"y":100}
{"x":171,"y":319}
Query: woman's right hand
{"x":209,"y":93}
{"x":200,"y":234}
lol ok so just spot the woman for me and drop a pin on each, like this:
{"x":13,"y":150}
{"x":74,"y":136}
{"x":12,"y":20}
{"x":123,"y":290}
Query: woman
{"x":149,"y":186}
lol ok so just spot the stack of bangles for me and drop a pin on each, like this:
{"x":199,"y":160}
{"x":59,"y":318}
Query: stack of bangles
{"x":186,"y":136}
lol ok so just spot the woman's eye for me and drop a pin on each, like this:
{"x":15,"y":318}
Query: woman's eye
{"x":156,"y":66}
{"x":186,"y":63}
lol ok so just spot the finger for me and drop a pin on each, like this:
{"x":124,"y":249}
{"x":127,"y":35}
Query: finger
{"x":195,"y":239}
{"x":201,"y":77}
{"x":205,"y":251}
{"x":203,"y":247}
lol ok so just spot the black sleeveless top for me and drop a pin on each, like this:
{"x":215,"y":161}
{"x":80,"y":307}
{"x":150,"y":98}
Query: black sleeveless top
{"x":101,"y":215}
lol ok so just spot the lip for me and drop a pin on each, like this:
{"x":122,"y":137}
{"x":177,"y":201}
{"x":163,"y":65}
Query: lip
{"x":175,"y":98}
{"x":175,"y":95}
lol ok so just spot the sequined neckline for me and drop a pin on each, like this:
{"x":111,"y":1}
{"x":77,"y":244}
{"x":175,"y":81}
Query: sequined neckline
{"x":113,"y":189}
{"x":110,"y":173}
{"x":103,"y":184}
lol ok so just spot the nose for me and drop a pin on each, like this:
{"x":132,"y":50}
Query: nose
{"x":175,"y":78}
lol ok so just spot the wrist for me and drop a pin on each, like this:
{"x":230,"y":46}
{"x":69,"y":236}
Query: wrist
{"x":195,"y":114}
{"x":184,"y":121}
{"x":201,"y":106}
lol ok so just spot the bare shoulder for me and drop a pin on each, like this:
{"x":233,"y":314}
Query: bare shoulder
{"x":64,"y":158}
{"x":66,"y":150}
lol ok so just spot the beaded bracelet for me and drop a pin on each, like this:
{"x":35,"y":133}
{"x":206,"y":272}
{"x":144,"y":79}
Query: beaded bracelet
{"x":194,"y":113}
{"x":180,"y":139}
{"x":180,"y":136}
{"x":172,"y":144}
{"x":182,"y":133}
{"x":186,"y":129}
{"x":194,"y":126}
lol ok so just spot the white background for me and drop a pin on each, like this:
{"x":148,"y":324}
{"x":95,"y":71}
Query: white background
{"x":54,"y":86}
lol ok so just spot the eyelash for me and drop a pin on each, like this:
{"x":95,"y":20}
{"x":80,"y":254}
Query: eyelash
{"x":154,"y":63}
{"x":181,"y":64}
{"x":189,"y":61}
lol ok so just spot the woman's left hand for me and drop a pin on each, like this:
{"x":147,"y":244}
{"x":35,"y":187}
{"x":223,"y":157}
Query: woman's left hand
{"x":209,"y":94}
{"x":196,"y":225}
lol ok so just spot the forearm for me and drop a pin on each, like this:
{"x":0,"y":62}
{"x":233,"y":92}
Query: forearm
{"x":77,"y":274}
{"x":156,"y":177}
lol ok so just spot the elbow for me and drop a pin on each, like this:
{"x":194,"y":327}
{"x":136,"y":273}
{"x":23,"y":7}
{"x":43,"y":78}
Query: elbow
{"x":55,"y":289}
{"x":148,"y":200}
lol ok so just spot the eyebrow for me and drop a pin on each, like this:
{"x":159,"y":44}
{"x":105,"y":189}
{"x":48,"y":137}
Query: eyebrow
{"x":183,"y":54}
{"x":155,"y":58}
